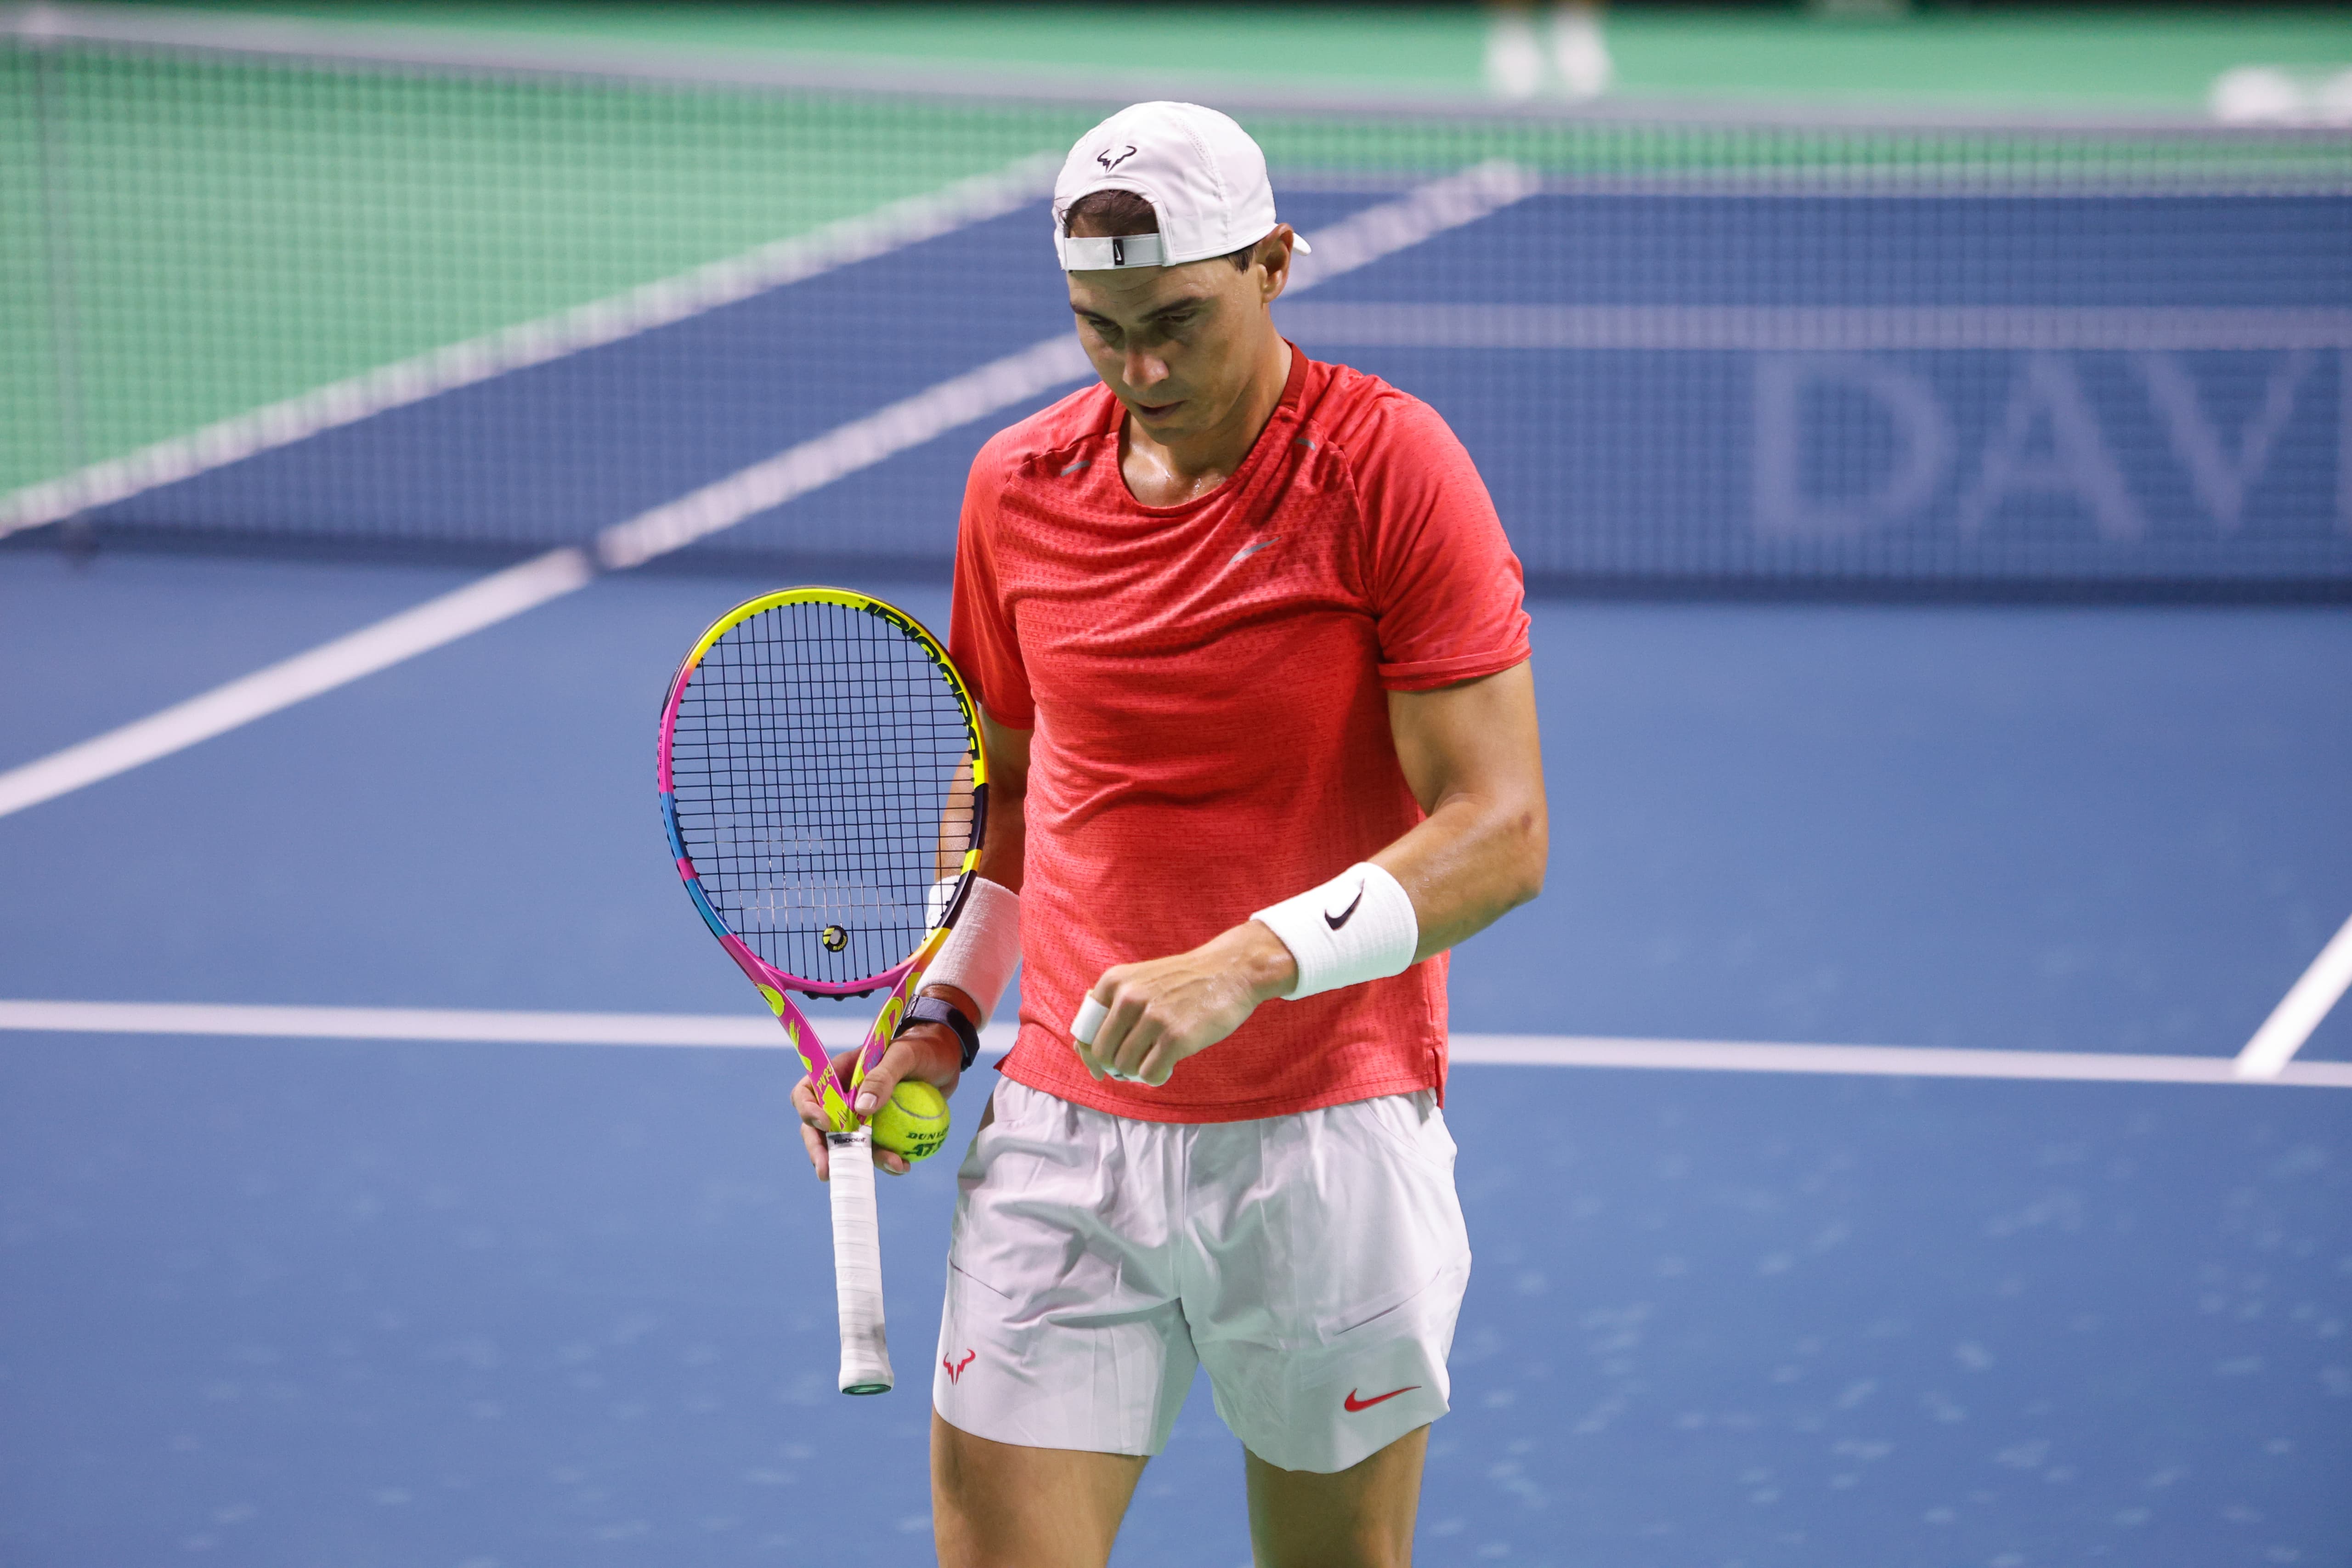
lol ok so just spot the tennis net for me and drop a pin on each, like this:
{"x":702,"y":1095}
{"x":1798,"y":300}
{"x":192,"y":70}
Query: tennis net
{"x":311,"y":290}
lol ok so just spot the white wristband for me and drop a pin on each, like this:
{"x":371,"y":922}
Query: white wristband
{"x":979,"y":955}
{"x":1358,"y":926}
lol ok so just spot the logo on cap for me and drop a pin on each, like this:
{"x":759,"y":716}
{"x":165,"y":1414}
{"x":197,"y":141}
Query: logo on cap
{"x":1109,"y":162}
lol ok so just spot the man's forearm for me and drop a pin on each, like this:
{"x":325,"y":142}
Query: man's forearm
{"x":1466,"y":865}
{"x":1003,"y":848}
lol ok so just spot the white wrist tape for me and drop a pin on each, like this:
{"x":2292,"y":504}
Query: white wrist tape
{"x":1358,"y":926}
{"x":1083,"y":1029}
{"x":935,"y":902}
{"x":979,"y":955}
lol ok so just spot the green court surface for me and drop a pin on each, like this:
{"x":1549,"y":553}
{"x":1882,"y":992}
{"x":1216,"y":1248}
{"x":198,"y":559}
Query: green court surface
{"x":220,"y":236}
{"x":2052,"y":60}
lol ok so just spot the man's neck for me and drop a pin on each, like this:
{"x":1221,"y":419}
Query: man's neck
{"x":1172,"y":473}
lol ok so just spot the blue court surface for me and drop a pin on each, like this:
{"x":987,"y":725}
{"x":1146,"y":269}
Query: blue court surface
{"x":293,"y":1302}
{"x":449,"y":1305}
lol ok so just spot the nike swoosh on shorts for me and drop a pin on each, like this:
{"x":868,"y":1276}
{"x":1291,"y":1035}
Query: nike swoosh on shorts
{"x":1354,"y":1404}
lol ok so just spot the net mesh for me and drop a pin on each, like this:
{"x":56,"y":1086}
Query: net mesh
{"x":820,"y":763}
{"x":356,"y":305}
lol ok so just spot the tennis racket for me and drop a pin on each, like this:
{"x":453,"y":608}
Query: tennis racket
{"x":824,"y":791}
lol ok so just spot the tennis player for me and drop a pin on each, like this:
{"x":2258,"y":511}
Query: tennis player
{"x":1251,"y":650}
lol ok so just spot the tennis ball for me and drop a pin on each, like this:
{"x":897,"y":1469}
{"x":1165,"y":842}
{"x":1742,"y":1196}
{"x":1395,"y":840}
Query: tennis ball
{"x":913,"y":1121}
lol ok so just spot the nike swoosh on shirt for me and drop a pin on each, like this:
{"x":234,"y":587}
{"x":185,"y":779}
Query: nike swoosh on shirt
{"x":1246,"y":551}
{"x":1344,"y":916}
{"x":1354,"y":1404}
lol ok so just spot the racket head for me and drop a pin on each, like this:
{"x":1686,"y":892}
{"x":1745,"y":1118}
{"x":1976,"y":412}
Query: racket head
{"x":820,"y":774}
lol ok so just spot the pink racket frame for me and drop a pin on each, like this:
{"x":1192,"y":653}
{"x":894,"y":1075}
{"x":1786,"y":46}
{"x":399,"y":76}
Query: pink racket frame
{"x":775,"y":985}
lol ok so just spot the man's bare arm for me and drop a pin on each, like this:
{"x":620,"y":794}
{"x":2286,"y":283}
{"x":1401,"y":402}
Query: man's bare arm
{"x":930,"y":1051}
{"x":1003,"y":841}
{"x":1006,"y":839}
{"x":1471,"y":757}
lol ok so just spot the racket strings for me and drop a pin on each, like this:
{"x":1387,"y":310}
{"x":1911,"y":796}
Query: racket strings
{"x":819,"y":759}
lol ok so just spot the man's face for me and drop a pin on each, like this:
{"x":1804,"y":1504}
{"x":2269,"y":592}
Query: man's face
{"x":1178,"y":344}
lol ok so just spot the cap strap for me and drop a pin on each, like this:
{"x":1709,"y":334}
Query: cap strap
{"x":1118,"y":250}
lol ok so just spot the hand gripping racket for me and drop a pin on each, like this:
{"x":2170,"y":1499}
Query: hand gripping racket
{"x":824,"y":791}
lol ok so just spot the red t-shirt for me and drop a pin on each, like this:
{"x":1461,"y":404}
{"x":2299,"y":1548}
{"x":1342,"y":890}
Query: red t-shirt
{"x":1207,"y":687}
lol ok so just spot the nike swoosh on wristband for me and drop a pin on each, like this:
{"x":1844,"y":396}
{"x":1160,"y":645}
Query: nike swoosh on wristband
{"x":1354,"y":1404}
{"x":1344,"y":916}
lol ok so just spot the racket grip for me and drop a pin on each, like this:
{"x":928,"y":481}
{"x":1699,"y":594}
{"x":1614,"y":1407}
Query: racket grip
{"x":857,"y":1264}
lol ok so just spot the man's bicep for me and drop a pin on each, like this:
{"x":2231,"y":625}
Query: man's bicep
{"x":1005,"y":837}
{"x":1474,"y":737}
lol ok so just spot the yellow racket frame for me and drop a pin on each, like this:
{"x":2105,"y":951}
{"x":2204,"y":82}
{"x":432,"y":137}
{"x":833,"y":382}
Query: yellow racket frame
{"x":903,"y":979}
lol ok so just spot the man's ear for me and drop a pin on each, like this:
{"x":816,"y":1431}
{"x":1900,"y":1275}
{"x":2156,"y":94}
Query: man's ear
{"x":1272,"y":260}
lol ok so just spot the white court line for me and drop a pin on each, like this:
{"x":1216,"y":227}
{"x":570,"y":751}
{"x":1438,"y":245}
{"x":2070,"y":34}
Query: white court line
{"x":640,"y":309}
{"x":2300,"y":1010}
{"x":481,"y":603}
{"x":753,"y":1032}
{"x":1831,"y":328}
{"x":843,"y":450}
{"x":1429,"y":210}
{"x":505,"y":1028}
{"x":794,"y":472}
{"x":1353,"y":242}
{"x":1872,"y":1061}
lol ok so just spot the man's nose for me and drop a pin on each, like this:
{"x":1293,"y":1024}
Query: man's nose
{"x":1144,"y":370}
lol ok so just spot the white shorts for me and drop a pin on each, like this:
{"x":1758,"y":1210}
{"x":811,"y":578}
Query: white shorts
{"x":1315,"y":1265}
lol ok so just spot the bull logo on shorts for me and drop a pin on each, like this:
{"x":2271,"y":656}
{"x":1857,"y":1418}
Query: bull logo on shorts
{"x":955,"y":1368}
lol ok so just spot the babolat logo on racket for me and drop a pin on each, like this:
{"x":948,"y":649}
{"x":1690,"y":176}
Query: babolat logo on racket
{"x":932,"y":651}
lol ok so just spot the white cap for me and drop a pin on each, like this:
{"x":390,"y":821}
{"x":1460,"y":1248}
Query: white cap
{"x":1201,"y":172}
